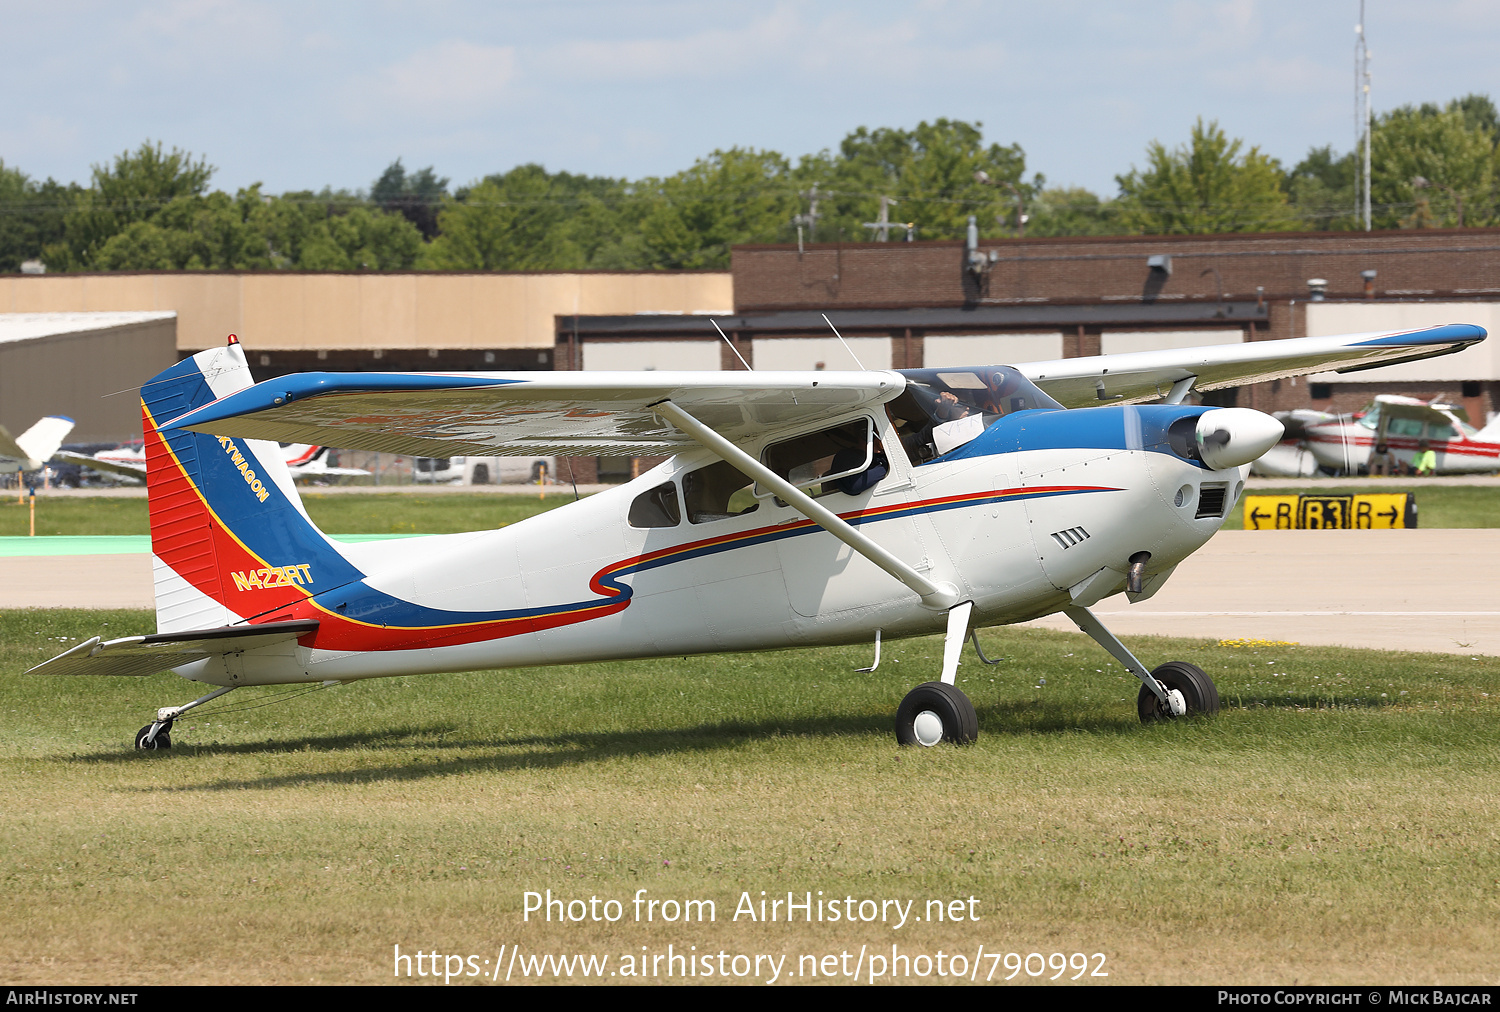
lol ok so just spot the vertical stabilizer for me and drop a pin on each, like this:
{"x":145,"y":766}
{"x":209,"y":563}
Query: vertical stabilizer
{"x":1491,"y":431}
{"x":230,"y":540}
{"x":41,"y":441}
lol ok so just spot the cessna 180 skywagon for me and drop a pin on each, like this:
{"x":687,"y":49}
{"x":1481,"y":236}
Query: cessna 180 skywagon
{"x":797,"y":509}
{"x":1346,"y":442}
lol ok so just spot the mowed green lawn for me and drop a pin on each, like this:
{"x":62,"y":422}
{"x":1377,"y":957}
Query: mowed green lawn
{"x":346,"y":513}
{"x":1339,"y":821}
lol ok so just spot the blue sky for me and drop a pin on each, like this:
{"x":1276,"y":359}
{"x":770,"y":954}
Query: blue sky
{"x":302,"y":95}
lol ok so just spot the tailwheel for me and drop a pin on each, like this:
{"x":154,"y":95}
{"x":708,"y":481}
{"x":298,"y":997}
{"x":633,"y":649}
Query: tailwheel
{"x":162,"y":739}
{"x":1198,"y":692}
{"x":934,"y":712}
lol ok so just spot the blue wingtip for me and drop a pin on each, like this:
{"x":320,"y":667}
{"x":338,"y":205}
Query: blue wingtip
{"x":1447,"y":333}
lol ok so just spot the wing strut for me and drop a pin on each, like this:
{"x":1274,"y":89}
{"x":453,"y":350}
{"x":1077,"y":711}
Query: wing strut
{"x":938,"y":596}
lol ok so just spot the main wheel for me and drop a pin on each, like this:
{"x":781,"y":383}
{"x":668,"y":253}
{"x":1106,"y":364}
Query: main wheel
{"x":1197,"y":689}
{"x":481,"y":475}
{"x":934,"y":712}
{"x":163,"y":738}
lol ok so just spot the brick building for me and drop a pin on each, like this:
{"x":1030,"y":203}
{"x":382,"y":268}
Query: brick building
{"x":910,"y":305}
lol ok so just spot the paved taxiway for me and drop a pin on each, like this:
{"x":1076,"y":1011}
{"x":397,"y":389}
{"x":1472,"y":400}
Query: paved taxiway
{"x":1429,"y":590}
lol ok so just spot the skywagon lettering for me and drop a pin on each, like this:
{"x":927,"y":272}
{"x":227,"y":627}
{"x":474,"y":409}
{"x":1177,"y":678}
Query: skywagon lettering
{"x":274,"y":576}
{"x":238,"y":459}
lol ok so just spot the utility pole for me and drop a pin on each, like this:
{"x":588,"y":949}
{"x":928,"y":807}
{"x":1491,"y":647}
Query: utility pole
{"x":810,"y":219}
{"x":882,"y":226}
{"x":1362,"y":90}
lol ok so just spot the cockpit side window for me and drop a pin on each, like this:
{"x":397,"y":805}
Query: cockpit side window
{"x":942,"y":409}
{"x":815,"y":461}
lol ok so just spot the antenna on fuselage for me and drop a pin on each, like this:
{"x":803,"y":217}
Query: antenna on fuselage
{"x":731,"y":345}
{"x":843,"y":342}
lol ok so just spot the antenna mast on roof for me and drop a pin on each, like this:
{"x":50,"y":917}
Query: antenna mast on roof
{"x":1364,"y":118}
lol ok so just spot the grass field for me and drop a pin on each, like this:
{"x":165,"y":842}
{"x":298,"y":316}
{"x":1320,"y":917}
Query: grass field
{"x":1338,"y":822}
{"x":1440,"y":506}
{"x":373,"y":513}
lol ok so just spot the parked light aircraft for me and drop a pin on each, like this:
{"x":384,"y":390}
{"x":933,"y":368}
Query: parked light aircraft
{"x":302,"y":461}
{"x":34,"y":447}
{"x":796,"y":509}
{"x":1345,"y":442}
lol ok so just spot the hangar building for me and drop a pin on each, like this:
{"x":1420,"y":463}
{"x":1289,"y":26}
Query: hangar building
{"x":87,"y":366}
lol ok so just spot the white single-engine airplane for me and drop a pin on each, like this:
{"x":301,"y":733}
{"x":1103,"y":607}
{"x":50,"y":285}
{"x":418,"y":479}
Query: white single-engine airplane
{"x":797,"y":509}
{"x":33,"y":448}
{"x":1346,"y":442}
{"x":302,"y":461}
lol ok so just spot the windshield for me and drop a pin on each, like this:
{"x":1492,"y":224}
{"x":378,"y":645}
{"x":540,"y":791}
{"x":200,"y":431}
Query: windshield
{"x":941,"y":409}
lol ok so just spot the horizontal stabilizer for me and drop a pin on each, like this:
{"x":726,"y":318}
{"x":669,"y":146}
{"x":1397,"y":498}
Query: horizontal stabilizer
{"x":146,"y":655}
{"x":114,"y":467}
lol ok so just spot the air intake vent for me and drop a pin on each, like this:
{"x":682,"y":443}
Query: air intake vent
{"x":1211,"y":501}
{"x":1070,"y":537}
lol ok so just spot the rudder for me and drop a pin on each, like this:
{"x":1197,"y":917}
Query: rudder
{"x":230,"y":540}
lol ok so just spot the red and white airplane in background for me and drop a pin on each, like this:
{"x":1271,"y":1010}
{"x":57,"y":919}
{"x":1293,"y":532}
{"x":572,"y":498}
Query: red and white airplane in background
{"x":795,"y":509}
{"x":302,"y":460}
{"x":1345,"y":442}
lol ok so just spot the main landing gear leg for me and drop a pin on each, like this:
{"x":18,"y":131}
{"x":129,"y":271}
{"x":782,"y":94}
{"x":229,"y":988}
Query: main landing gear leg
{"x":939,"y":711}
{"x":157,"y":734}
{"x":1172,"y":690}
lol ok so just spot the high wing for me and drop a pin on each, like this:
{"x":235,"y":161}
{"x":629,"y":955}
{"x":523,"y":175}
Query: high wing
{"x":531,"y":414}
{"x":1149,"y":375}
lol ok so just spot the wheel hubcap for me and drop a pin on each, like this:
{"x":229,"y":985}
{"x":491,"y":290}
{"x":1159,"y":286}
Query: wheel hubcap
{"x":928,"y":728}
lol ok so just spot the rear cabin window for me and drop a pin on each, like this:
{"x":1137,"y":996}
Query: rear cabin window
{"x":656,"y":507}
{"x":717,"y":492}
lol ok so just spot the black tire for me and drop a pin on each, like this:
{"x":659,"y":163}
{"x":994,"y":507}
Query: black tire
{"x":163,"y":738}
{"x":481,"y":475}
{"x":1198,"y":692}
{"x":960,"y":724}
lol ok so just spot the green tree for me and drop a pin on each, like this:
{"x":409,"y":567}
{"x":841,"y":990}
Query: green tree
{"x":32,"y":216}
{"x":1207,"y":186}
{"x":930,"y":171}
{"x":690,"y":220}
{"x":1434,"y":168}
{"x":361,"y":239}
{"x":135,"y":188}
{"x":1323,"y":190}
{"x":1073,"y":211}
{"x":417,"y":196}
{"x":530,"y":219}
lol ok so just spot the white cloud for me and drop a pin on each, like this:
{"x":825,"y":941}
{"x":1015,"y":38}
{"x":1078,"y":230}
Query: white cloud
{"x":451,"y":79}
{"x":779,"y":43}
